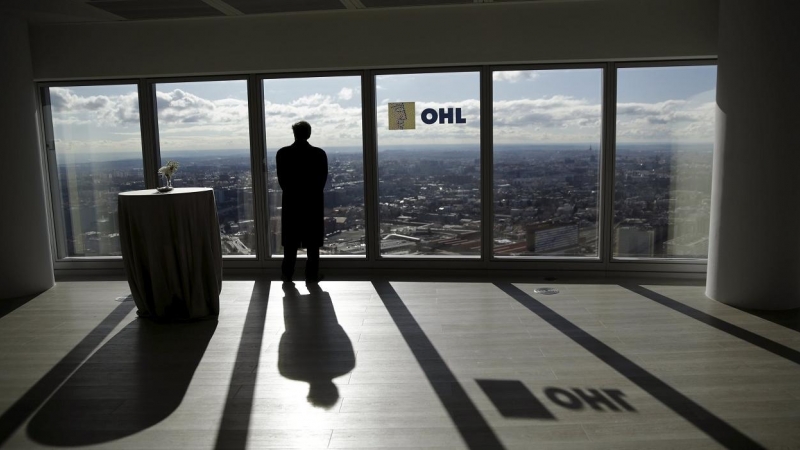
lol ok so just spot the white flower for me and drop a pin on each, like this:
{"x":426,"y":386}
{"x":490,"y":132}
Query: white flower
{"x":169,"y":169}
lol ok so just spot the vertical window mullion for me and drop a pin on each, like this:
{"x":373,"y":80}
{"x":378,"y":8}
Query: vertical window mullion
{"x":608,"y":157}
{"x":149,"y":129}
{"x":487,"y":166}
{"x":258,"y":165}
{"x":372,"y":226}
{"x":52,"y":172}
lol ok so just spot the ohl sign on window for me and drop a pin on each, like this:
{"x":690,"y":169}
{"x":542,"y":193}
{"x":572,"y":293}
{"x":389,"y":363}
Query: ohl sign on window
{"x":402,"y":116}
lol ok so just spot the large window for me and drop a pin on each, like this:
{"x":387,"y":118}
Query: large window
{"x":549,"y":150}
{"x":428,"y":128}
{"x":665,"y":136}
{"x":547,"y":131}
{"x":96,"y":153}
{"x":332,"y":105}
{"x":204,"y":127}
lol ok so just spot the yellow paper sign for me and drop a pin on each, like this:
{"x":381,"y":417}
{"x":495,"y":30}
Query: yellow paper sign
{"x":402,"y":116}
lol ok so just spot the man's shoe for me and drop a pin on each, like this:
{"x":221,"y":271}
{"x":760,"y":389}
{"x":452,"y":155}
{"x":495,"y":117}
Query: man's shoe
{"x":287,"y":280}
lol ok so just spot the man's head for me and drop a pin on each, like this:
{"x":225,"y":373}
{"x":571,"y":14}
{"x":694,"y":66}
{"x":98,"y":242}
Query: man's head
{"x":301,"y":130}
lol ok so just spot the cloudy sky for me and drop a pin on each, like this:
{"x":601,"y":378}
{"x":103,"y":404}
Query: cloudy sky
{"x":547,"y":106}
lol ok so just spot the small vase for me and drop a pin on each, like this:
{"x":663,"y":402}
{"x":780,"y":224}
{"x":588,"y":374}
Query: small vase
{"x":166,"y":188}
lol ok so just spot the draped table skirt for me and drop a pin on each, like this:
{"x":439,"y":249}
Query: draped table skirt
{"x":172,"y":252}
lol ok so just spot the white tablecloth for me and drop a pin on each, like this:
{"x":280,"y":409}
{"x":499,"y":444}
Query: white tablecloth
{"x":171,"y":251}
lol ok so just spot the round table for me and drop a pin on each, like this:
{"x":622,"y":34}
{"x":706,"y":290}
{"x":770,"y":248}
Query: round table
{"x":172,"y":252}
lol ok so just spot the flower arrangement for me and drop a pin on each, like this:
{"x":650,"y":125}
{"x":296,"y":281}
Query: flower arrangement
{"x":167,"y":172}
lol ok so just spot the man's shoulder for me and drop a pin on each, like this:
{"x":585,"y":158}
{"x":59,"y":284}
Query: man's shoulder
{"x":304,"y":149}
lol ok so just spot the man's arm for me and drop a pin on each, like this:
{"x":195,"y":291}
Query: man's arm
{"x":282,"y":175}
{"x":325,"y":171}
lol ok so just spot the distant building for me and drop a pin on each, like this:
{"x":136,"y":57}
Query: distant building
{"x":633,"y":241}
{"x":549,"y":238}
{"x":688,"y":246}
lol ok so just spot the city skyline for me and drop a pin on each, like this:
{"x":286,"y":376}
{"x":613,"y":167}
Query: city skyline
{"x":101,"y":157}
{"x":545,"y":203}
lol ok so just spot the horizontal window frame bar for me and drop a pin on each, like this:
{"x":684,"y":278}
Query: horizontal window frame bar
{"x":427,"y":70}
{"x":88,"y":83}
{"x":422,"y":262}
{"x":665,"y":63}
{"x":309,"y":74}
{"x":548,"y":66}
{"x":198,"y":79}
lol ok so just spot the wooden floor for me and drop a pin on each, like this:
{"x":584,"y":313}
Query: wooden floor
{"x":360,"y":364}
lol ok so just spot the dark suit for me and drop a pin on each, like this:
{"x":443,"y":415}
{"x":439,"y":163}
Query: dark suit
{"x":302,"y":174}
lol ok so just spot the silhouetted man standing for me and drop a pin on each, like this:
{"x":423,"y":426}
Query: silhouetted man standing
{"x":302,"y":174}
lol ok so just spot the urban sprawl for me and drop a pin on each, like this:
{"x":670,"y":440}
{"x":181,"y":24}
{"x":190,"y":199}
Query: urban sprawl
{"x":546,"y":201}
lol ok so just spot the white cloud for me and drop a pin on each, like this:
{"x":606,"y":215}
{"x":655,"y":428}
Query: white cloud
{"x":180,"y":107}
{"x":557,"y":111}
{"x":513,"y":76}
{"x":188,"y":121}
{"x":332,"y":123}
{"x":345,"y":94}
{"x":103,"y":110}
{"x":689,"y":120}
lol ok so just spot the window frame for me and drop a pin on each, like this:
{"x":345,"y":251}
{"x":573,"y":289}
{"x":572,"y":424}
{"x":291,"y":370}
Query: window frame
{"x":601,"y":178}
{"x":265,"y":163}
{"x":155,"y":152}
{"x":375,"y":263}
{"x":640,"y":263}
{"x":53,"y":186}
{"x":415,"y":259}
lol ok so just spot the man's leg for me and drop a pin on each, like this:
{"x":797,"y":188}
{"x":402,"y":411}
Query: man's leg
{"x":312,"y":264}
{"x":287,"y":266}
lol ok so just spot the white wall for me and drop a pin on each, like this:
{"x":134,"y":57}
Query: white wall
{"x":26,"y":265}
{"x":589,"y":30}
{"x":754,"y":242}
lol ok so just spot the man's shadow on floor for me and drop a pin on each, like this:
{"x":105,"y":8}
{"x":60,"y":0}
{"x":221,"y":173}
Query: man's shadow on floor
{"x":314,"y":348}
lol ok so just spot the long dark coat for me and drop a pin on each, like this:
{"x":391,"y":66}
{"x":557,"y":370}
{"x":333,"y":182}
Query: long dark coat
{"x":302,"y":174}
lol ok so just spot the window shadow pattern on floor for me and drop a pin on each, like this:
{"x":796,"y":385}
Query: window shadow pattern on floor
{"x":22,"y":409}
{"x":471,"y":425}
{"x":134,"y":381}
{"x":702,"y":419}
{"x":235,"y":422}
{"x":721,"y":325}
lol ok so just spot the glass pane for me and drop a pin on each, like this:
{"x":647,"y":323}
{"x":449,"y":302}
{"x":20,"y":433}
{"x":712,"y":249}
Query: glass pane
{"x":429,"y":164}
{"x":98,"y":154}
{"x":332,"y":105}
{"x":665,"y":140}
{"x":547,"y":131}
{"x":204,"y":127}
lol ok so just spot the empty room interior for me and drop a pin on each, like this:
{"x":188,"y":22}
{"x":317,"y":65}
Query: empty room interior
{"x":519,"y":224}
